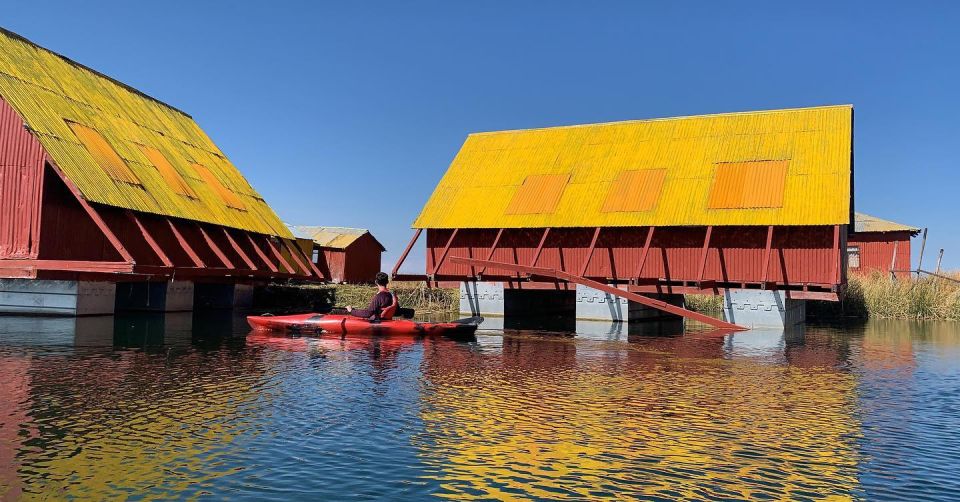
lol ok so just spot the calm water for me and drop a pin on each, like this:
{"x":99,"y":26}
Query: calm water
{"x":179,"y":407}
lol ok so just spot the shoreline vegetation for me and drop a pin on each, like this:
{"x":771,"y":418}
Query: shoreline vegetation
{"x":876,"y":296}
{"x":870,"y":296}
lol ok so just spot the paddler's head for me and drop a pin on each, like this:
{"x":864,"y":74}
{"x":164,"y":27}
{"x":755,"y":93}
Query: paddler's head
{"x":382,"y":280}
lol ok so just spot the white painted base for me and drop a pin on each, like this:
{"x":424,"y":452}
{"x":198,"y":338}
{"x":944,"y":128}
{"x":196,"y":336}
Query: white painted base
{"x":753,"y":308}
{"x":49,"y":297}
{"x":601,"y":306}
{"x":481,"y":298}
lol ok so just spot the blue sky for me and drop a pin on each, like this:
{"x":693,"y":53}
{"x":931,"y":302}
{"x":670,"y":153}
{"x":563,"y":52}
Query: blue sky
{"x":349,"y":113}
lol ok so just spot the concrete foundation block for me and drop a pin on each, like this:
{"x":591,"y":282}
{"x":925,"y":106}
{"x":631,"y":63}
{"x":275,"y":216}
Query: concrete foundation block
{"x":599,"y":305}
{"x":50,"y":297}
{"x":167,"y":296}
{"x":753,"y":308}
{"x":223,"y":296}
{"x":482,"y":298}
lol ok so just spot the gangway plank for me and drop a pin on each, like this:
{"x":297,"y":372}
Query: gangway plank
{"x":606,"y":288}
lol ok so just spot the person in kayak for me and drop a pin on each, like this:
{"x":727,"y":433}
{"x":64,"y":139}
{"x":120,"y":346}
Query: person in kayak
{"x":380,"y":302}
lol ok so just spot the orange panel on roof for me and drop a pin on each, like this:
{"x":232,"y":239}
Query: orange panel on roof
{"x":225,"y":193}
{"x":103,"y":154}
{"x":635,"y":191}
{"x":742,"y":185}
{"x":539,"y":194}
{"x":168,"y":172}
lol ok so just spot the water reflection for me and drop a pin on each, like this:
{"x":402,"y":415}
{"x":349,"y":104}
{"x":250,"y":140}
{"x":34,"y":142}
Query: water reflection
{"x":181,"y":405}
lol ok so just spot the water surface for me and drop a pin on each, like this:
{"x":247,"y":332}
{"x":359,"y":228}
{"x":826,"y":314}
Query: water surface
{"x":181,"y":406}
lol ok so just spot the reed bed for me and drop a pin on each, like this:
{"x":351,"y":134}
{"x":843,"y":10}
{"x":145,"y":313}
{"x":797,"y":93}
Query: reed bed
{"x":877,"y":296}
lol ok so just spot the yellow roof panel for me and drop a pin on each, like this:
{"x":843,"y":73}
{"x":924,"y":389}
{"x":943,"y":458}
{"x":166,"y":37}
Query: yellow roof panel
{"x":331,"y":237}
{"x":83,"y":119}
{"x":794,"y":168}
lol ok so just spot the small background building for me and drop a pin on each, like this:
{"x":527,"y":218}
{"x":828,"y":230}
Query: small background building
{"x":343,"y":254}
{"x":879,"y":245}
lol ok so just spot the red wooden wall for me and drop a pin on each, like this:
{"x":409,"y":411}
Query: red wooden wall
{"x":21,"y":175}
{"x":800,"y":256}
{"x":877,"y":249}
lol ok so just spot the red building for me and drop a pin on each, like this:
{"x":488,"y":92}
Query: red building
{"x":350,"y":255}
{"x":879,"y":245}
{"x":106,"y":189}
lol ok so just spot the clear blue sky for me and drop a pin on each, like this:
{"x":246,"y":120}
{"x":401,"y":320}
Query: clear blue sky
{"x":317,"y":104}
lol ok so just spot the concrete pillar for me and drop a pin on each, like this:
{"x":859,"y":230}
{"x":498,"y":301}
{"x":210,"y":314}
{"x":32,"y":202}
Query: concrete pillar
{"x":223,"y":296}
{"x":754,"y":308}
{"x":165,"y":296}
{"x":602,"y":306}
{"x":50,"y":297}
{"x":481,"y":298}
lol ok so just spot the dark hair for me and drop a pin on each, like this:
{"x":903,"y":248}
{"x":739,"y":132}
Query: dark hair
{"x":382,"y":279}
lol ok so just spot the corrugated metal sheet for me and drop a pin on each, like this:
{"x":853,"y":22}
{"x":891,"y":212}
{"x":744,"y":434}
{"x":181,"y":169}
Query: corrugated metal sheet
{"x":815,"y":143}
{"x":330,"y":237}
{"x":48,"y":90}
{"x":867,"y":223}
{"x":21,"y":158}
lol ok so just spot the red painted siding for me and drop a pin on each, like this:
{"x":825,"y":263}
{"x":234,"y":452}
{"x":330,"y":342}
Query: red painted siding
{"x":877,"y":249}
{"x":800,"y":255}
{"x":21,"y":168}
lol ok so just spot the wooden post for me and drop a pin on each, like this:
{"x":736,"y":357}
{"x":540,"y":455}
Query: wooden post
{"x":923,"y":245}
{"x":893,"y":261}
{"x":703,"y":254}
{"x":443,"y":255}
{"x":593,"y":244}
{"x":766,"y":257}
{"x":643,"y":254}
{"x":939,"y":259}
{"x":406,"y":251}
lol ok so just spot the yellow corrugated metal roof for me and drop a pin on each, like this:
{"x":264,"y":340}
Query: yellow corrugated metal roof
{"x":50,"y":92}
{"x":331,"y":237}
{"x":814,"y":143}
{"x":868,"y":223}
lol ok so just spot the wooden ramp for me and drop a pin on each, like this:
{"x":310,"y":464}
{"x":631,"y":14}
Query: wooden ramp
{"x":634,"y":297}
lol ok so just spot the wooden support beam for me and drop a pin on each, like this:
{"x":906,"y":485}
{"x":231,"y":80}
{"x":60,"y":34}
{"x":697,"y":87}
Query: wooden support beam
{"x":643,"y":254}
{"x":261,"y":254}
{"x":767,"y":251}
{"x":157,"y":250}
{"x":893,"y":261}
{"x":406,"y":251}
{"x":112,"y":267}
{"x":543,"y":240}
{"x":92,"y":213}
{"x":836,"y":254}
{"x":593,"y":244}
{"x":215,"y":248}
{"x":185,"y":245}
{"x":295,"y":250}
{"x":496,"y":241}
{"x":278,"y":255}
{"x":236,"y":247}
{"x":294,"y":253}
{"x":443,"y":255}
{"x":644,"y":300}
{"x":703,"y":253}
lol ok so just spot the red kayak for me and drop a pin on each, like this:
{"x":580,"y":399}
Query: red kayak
{"x":347,"y":324}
